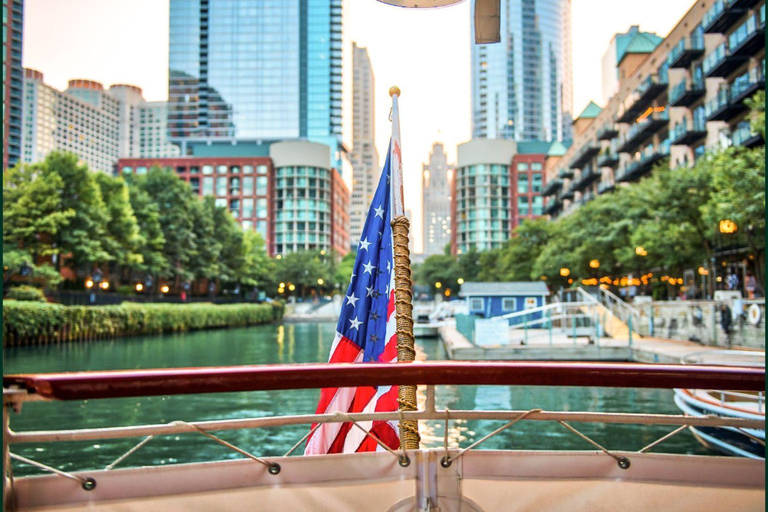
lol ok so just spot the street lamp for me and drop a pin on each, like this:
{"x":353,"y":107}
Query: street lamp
{"x":291,"y":287}
{"x":728,"y":226}
{"x":594,"y":264}
{"x":640,"y":251}
{"x":320,"y":281}
{"x":565,"y":272}
{"x":139,"y":287}
{"x":89,"y":283}
{"x":438,"y":285}
{"x":460,"y":280}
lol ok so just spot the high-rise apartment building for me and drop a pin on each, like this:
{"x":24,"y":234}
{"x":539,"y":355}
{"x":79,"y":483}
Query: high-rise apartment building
{"x":498,"y":184}
{"x":522,"y":86}
{"x":99,"y":125}
{"x":243,"y":71}
{"x":436,"y":201}
{"x":363,"y":157}
{"x":624,"y":54}
{"x":13,"y":78}
{"x":685,"y":97}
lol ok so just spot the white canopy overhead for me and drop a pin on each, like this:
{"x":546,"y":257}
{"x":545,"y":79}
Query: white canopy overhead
{"x":487,"y":15}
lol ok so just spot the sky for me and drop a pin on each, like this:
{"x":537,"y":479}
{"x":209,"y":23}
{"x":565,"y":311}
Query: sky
{"x":425,"y":52}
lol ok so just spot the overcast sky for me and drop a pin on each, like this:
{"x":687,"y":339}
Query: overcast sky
{"x":423,"y":51}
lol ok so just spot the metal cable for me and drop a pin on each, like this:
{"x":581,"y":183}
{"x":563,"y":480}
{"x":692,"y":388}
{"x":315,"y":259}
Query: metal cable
{"x":371,"y":435}
{"x":129,"y":452}
{"x":482,"y":440}
{"x":623,"y":461}
{"x":270,"y":465}
{"x":82,"y":480}
{"x":302,"y":439}
{"x":662,"y":439}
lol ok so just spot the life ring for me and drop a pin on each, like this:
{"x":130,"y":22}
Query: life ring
{"x":754,"y":314}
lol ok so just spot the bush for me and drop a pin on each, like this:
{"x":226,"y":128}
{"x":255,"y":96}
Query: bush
{"x":124,"y":289}
{"x":26,"y":293}
{"x":25,"y":322}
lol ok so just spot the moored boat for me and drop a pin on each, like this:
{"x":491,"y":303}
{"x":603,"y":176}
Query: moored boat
{"x":742,"y":442}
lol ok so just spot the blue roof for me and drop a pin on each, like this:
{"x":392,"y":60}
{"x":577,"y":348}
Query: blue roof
{"x":634,"y":41}
{"x":591,"y":112}
{"x":558,"y":148}
{"x":533,"y":147}
{"x":476,"y":289}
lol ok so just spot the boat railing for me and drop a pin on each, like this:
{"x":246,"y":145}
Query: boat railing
{"x":18,"y":389}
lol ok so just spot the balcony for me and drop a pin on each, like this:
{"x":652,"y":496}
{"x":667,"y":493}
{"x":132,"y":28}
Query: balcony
{"x":552,"y":187}
{"x":628,"y":111}
{"x":643,"y":130}
{"x":607,"y":132}
{"x":743,"y":135}
{"x":742,"y":4}
{"x":746,"y":85}
{"x":720,"y":62}
{"x":584,"y":155}
{"x":608,"y":159}
{"x":565,"y":173}
{"x":685,"y":94}
{"x":649,"y":89}
{"x":587,"y":177}
{"x":554,"y":205}
{"x":650,"y":156}
{"x":684,"y":135}
{"x":687,"y":50}
{"x":748,"y":39}
{"x":720,"y":17}
{"x":722,"y":108}
{"x":567,"y":192}
{"x":605,"y":186}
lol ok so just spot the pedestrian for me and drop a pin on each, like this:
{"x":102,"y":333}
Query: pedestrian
{"x":725,"y":321}
{"x":732,"y":281}
{"x":751,"y":284}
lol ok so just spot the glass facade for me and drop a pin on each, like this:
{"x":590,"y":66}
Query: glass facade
{"x":522,"y":86}
{"x":302,"y":209}
{"x":13,"y":77}
{"x":482,"y":206}
{"x":245,"y":70}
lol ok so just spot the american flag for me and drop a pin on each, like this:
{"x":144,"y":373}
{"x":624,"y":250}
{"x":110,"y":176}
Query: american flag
{"x":365,"y":333}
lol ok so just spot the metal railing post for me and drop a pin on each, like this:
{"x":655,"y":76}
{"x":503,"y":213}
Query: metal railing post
{"x":629,"y":324}
{"x":573,"y":325}
{"x":525,"y":328}
{"x":550,"y":328}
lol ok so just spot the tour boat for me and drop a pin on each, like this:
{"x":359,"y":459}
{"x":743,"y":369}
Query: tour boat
{"x":448,"y":478}
{"x":743,"y":442}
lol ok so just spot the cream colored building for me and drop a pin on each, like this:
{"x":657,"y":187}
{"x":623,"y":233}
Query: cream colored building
{"x":683,"y":98}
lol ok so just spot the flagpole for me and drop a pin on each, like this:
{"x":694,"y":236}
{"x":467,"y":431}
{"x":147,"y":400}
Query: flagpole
{"x":409,"y":429}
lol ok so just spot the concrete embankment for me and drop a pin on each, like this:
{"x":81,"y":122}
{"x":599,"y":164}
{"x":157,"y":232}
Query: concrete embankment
{"x":646,"y":349}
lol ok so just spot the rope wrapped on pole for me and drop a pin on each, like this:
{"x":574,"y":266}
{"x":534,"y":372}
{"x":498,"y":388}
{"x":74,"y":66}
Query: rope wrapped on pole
{"x":409,"y":429}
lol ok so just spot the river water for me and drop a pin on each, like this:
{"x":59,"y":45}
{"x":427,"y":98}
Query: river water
{"x":282,"y":344}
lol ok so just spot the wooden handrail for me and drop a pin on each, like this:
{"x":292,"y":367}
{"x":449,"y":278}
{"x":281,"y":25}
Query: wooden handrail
{"x":174,"y":381}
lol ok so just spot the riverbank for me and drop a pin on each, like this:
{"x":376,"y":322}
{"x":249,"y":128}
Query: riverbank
{"x":33,"y":323}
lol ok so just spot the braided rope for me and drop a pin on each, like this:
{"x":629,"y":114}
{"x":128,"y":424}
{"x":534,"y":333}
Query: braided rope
{"x":409,"y":429}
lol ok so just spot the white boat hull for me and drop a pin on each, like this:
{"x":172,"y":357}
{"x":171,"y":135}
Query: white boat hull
{"x":480,"y":480}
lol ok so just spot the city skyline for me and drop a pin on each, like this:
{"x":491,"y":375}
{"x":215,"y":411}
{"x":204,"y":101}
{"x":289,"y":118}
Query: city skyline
{"x":432,"y":110}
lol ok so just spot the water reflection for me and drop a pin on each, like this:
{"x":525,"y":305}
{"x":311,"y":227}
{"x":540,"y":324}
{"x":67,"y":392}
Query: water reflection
{"x":291,"y":343}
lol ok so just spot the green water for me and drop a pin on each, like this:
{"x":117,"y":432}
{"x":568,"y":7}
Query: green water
{"x":291,"y":343}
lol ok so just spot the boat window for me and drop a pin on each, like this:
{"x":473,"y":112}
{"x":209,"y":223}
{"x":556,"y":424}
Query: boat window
{"x":476,"y":304}
{"x":508,"y":304}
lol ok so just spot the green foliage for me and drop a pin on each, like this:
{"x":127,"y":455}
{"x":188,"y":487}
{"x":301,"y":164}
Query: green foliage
{"x":152,"y":241}
{"x":303,"y":269}
{"x":257,"y":267}
{"x":25,"y":293}
{"x":30,"y":322}
{"x":344,"y":270}
{"x":123,"y":238}
{"x":14,"y":259}
{"x":757,"y":104}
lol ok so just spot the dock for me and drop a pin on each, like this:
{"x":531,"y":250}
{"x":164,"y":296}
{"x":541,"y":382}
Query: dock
{"x":540,"y":347}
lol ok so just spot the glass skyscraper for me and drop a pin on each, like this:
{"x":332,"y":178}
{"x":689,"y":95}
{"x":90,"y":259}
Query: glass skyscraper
{"x":522,"y":86}
{"x":246,"y":70}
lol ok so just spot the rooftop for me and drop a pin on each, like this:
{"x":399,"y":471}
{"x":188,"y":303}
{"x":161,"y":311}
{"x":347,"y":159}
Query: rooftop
{"x":510,"y":288}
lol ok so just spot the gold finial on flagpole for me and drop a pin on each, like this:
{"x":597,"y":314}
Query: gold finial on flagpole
{"x":394,"y":90}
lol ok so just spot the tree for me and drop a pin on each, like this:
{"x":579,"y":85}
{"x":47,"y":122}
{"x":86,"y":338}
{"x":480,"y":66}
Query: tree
{"x":344,"y":270}
{"x":303,"y":269}
{"x":517,"y":256}
{"x":757,"y":119}
{"x":33,"y":214}
{"x":229,"y":237}
{"x":152,"y":242}
{"x":176,"y":210}
{"x":83,"y":238}
{"x":123,"y":238}
{"x":204,"y":258}
{"x":258,"y":268}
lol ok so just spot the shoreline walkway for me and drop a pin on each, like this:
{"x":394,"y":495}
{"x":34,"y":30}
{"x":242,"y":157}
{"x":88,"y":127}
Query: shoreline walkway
{"x":561,"y":348}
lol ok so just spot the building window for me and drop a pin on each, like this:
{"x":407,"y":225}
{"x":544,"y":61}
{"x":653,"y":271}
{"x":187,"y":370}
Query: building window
{"x":261,"y":169}
{"x":207,"y":186}
{"x":207,"y":169}
{"x":261,"y":185}
{"x":536,"y":166}
{"x":247,"y":208}
{"x":221,"y":169}
{"x":476,"y":304}
{"x":538,"y":205}
{"x":509,"y":304}
{"x":522,"y":184}
{"x":247,"y":169}
{"x":536,"y":185}
{"x":522,"y":206}
{"x":221,"y":187}
{"x":247,"y":186}
{"x":522,"y":166}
